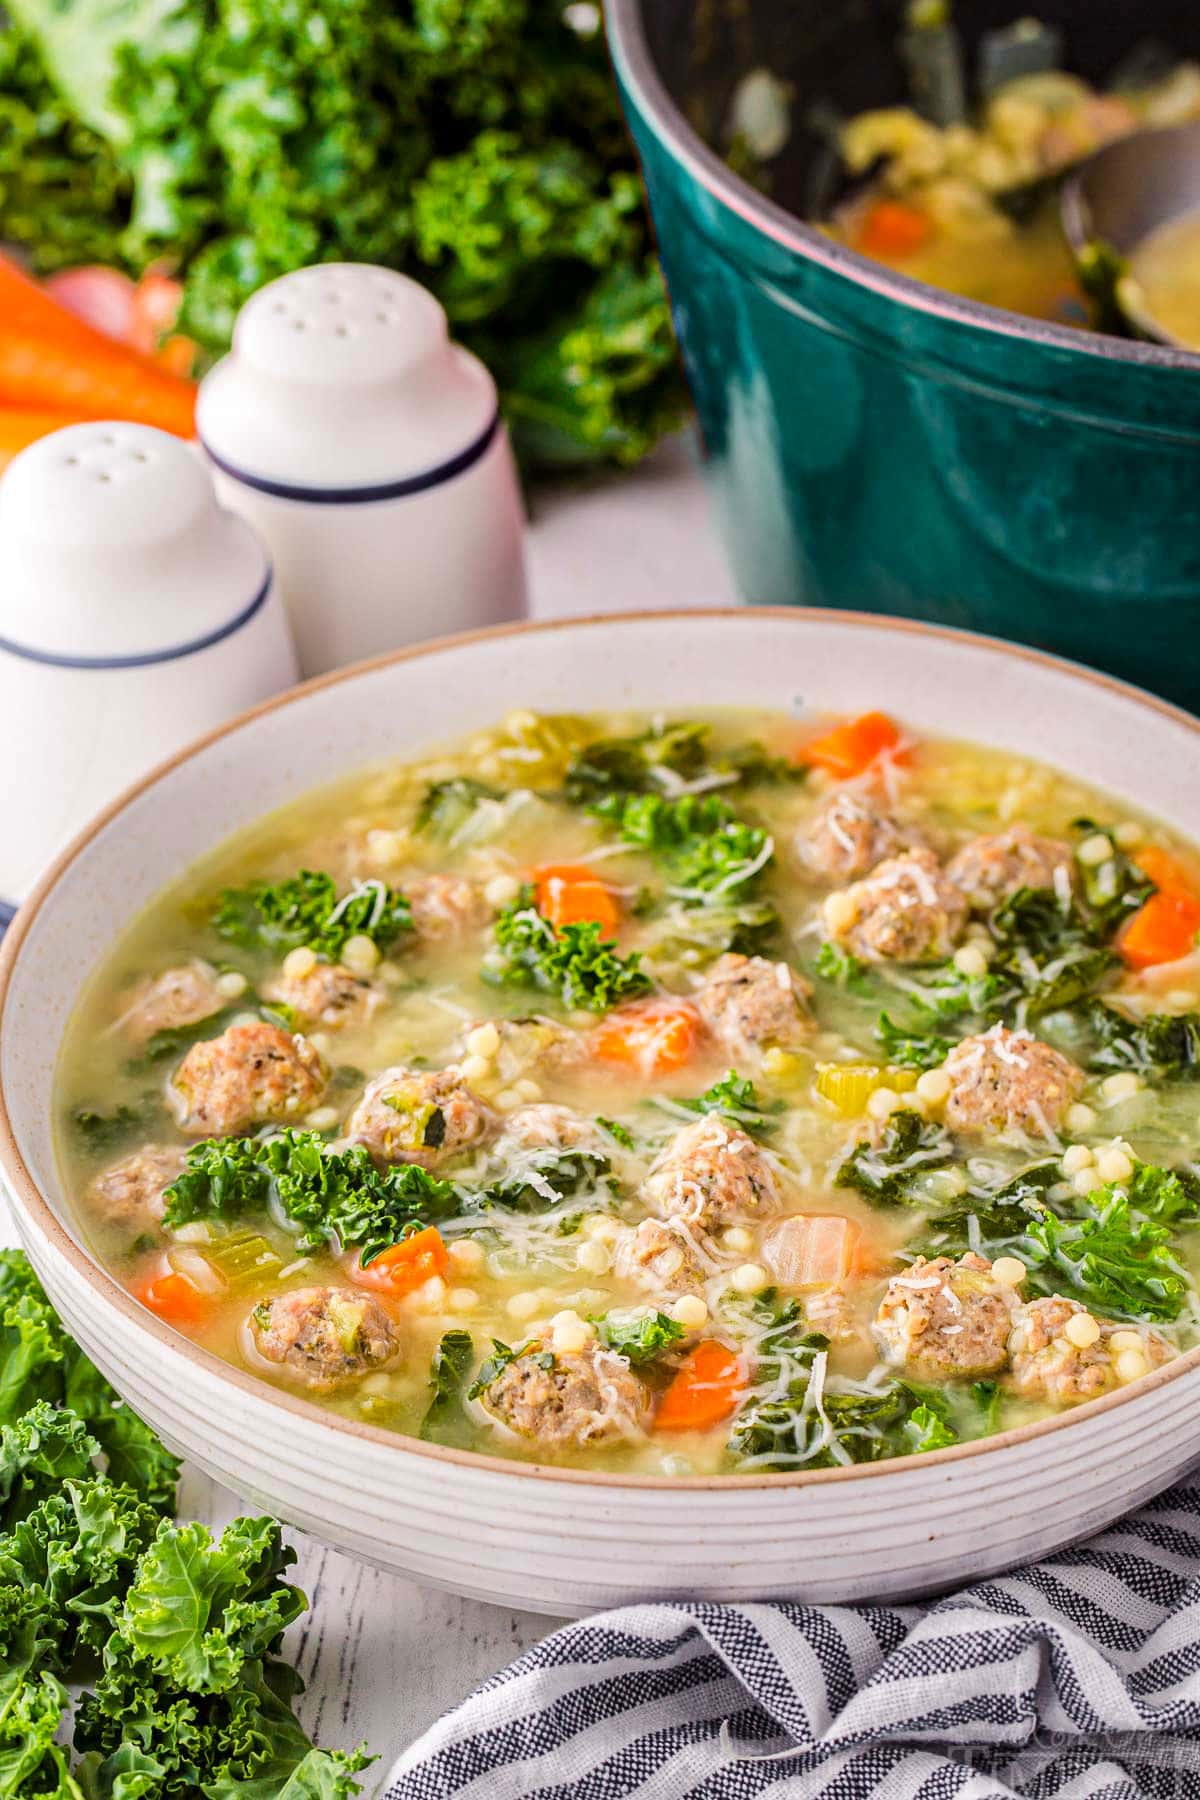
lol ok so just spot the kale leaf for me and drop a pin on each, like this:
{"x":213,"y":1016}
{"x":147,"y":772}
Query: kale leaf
{"x":446,"y":806}
{"x":102,"y":1133}
{"x":542,"y":1182}
{"x":702,"y":844}
{"x":735,"y":1097}
{"x":908,"y":1050}
{"x":1112,"y":889}
{"x":335,"y":1197}
{"x":639,"y":1332}
{"x":837,"y":964}
{"x":1116,"y":1259}
{"x":444,"y":1421}
{"x":305,"y":910}
{"x":575,"y":963}
{"x":885,"y":1173}
{"x":1165,"y":1046}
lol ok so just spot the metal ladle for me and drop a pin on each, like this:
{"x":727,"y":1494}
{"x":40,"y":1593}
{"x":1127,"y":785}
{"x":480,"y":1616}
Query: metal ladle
{"x":1112,"y":201}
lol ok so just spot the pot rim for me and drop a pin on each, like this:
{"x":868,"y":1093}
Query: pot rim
{"x":108,"y":1292}
{"x":637,"y":73}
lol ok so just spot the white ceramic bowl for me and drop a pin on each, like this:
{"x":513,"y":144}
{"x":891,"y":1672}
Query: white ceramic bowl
{"x":554,"y":1540}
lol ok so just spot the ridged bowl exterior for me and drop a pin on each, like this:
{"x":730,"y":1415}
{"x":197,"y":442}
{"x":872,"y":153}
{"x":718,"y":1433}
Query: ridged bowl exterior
{"x":557,"y":1541}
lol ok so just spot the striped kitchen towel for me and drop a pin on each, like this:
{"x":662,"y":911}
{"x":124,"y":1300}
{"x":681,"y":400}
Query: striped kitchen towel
{"x":1078,"y":1679}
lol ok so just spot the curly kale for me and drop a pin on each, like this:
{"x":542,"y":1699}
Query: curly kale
{"x":305,"y":910}
{"x":735,"y":1097}
{"x":335,"y":1197}
{"x":477,"y":145}
{"x":575,"y":963}
{"x":445,"y":1421}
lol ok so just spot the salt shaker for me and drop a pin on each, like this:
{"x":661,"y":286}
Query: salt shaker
{"x":135,"y":613}
{"x":368,"y":451}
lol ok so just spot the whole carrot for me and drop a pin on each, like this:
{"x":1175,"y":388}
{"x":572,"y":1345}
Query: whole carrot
{"x":49,"y":359}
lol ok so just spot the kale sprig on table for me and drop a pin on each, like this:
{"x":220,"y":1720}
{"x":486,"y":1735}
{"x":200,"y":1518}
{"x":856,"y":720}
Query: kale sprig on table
{"x":175,"y":1634}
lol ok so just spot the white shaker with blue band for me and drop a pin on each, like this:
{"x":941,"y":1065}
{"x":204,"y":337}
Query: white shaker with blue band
{"x":368,"y":451}
{"x":135,"y":613}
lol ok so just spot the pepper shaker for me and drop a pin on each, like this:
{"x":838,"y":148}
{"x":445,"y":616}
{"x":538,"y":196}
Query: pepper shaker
{"x":135,"y":613}
{"x":368,"y":451}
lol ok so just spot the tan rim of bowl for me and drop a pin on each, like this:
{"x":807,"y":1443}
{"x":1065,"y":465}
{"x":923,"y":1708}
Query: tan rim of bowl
{"x":111,"y":1293}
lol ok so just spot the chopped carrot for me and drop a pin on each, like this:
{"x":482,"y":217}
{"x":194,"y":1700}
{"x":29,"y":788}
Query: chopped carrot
{"x":570,"y":894}
{"x":1165,"y":929}
{"x":23,"y":425}
{"x":707,"y":1387}
{"x":1167,"y":926}
{"x":850,"y":749}
{"x":50,"y":358}
{"x":406,"y":1265}
{"x":177,"y":354}
{"x":892,"y":229}
{"x":809,"y":1250}
{"x":655,"y":1037}
{"x":1165,"y":870}
{"x":175,"y":1299}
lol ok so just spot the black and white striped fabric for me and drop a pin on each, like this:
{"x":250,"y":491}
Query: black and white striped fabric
{"x":1076,"y":1679}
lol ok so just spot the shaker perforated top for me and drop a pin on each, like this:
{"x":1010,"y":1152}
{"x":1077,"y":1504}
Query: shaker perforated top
{"x":343,"y":376}
{"x":112,"y":545}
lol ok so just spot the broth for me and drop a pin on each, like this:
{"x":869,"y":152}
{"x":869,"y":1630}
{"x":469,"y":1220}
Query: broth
{"x":661,"y":1214}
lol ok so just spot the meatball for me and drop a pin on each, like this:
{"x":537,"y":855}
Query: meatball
{"x":989,"y":869}
{"x":547,"y":1127}
{"x":249,"y":1075}
{"x":130,"y":1194}
{"x":520,"y":1047}
{"x":945,"y":1318}
{"x":661,"y":1257}
{"x":1009,"y":1081}
{"x":750,"y":1003}
{"x":169,"y":1001}
{"x":710,"y":1175}
{"x":568,"y":1399}
{"x":323,"y":1336}
{"x":328,"y":995}
{"x":831,"y":1312}
{"x":445,"y":906}
{"x":906,"y":910}
{"x":848,"y":836}
{"x":427,"y":1118}
{"x":1046,"y":1365}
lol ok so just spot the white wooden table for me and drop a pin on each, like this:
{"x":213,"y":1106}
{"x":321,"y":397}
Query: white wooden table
{"x":383,"y":1658}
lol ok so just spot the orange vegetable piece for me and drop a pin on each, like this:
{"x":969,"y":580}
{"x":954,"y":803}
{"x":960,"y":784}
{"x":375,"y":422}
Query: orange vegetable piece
{"x":1166,"y":927}
{"x":892,"y":229}
{"x":655,"y":1037}
{"x":1161,"y":931}
{"x":405,"y":1266}
{"x":49,"y":358}
{"x":852,"y":747}
{"x":707,"y":1387}
{"x":570,"y":894}
{"x":809,"y":1250}
{"x":174,"y":1299}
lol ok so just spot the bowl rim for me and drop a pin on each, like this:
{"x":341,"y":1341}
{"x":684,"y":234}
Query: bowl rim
{"x":630,"y":52}
{"x":108,"y":1291}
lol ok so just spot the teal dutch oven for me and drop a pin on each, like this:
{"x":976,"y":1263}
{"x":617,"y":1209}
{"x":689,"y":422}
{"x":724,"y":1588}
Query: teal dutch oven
{"x":874,"y":442}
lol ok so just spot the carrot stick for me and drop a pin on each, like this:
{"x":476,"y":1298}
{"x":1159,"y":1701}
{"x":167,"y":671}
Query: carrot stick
{"x":175,"y":1299}
{"x":406,"y":1265}
{"x":892,"y":229}
{"x":570,"y":894}
{"x":850,"y":749}
{"x":51,"y":359}
{"x":654,"y":1039}
{"x":707,"y":1387}
{"x":1167,"y":926}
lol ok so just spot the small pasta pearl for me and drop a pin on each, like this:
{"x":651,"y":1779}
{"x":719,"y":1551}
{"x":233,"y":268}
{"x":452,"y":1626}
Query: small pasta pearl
{"x":1126,"y":1340}
{"x":466,"y":1255}
{"x":1094,"y":850}
{"x":738,"y":1239}
{"x":360,"y":955}
{"x":883,"y":1102}
{"x":1120,"y":1087}
{"x":1076,"y":1157}
{"x":840,"y":910}
{"x":689,"y":1311}
{"x":461,"y":1300}
{"x":1114,"y":1165}
{"x":1009,"y":1271}
{"x":484,"y":1040}
{"x":934,"y":1085}
{"x":1131,"y":1365}
{"x":750,"y":1278}
{"x":231,"y":985}
{"x":593,"y":1255}
{"x":1079,"y":1117}
{"x":300,"y":962}
{"x":1081,"y":1330}
{"x":970,"y":961}
{"x":522,"y":1306}
{"x":1085,"y":1180}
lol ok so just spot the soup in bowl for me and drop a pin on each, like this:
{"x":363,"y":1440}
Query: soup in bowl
{"x":688,"y":1127}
